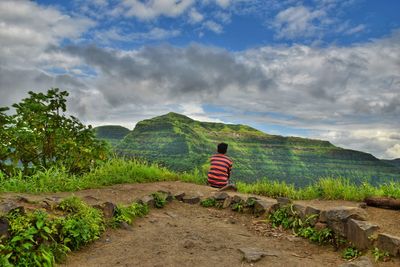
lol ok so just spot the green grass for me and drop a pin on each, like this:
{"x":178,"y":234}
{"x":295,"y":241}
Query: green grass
{"x":115,"y":171}
{"x":118,"y":171}
{"x":325,"y":188}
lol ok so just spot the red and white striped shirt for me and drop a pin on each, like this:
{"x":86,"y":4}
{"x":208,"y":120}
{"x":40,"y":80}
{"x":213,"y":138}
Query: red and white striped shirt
{"x":220,"y":170}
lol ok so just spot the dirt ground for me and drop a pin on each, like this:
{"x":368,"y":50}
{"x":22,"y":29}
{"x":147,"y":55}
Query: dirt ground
{"x":190,"y":235}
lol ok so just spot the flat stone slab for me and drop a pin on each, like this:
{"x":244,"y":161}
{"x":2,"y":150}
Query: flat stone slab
{"x":389,"y":243}
{"x":337,"y":218}
{"x":359,"y":233}
{"x":220,"y":196}
{"x":255,"y":254}
{"x":361,"y":262}
{"x":263,"y":206}
{"x":191,"y":199}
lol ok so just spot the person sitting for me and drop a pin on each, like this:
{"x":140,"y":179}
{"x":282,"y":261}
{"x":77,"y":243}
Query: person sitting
{"x":220,"y":169}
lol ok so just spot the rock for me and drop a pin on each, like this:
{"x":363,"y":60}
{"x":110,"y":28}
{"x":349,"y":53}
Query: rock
{"x":320,"y":226}
{"x":168,"y":196}
{"x":220,"y":196}
{"x":262,"y":206}
{"x":148,"y":200}
{"x":359,"y":232}
{"x":179,"y":196}
{"x":300,"y":210}
{"x":125,"y":226}
{"x":284,"y":201}
{"x":362,"y":205}
{"x":255,"y":254}
{"x":188,"y":244}
{"x":337,"y":218}
{"x":360,"y":262}
{"x":236,"y":199}
{"x":191,"y":199}
{"x":6,"y":207}
{"x":389,"y":243}
{"x":227,"y":202}
{"x":108,"y":209}
{"x":26,"y":199}
{"x":4,"y":226}
{"x":311,"y":211}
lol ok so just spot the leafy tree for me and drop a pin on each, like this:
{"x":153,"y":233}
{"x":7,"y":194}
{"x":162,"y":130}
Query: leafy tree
{"x":40,"y":135}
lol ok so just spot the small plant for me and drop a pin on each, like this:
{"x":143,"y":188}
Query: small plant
{"x":350,"y":253}
{"x":84,"y":224}
{"x":127,"y":214}
{"x":238,"y":207}
{"x":380,"y":255}
{"x":208,"y":202}
{"x":160,"y":200}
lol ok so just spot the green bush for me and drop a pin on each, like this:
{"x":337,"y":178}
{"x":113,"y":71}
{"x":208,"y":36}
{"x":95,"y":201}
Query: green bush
{"x":208,"y":202}
{"x":82,"y":225}
{"x":128,"y":213}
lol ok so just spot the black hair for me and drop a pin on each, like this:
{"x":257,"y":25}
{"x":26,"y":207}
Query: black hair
{"x":222,"y":148}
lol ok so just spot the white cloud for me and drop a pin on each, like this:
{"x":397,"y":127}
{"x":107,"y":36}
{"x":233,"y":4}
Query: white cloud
{"x":195,"y":16}
{"x":116,"y":34}
{"x":356,"y":29}
{"x":394,"y":151}
{"x":297,"y":21}
{"x":27,"y":30}
{"x":213,"y":26}
{"x":223,"y":3}
{"x":151,"y":9}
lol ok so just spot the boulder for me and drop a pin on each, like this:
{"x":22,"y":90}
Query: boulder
{"x":284,"y":201}
{"x":360,"y":262}
{"x":255,"y":254}
{"x":227,"y":202}
{"x":262,"y":206}
{"x":312,"y":215}
{"x":108,"y":209}
{"x":359,"y":233}
{"x":179,"y":196}
{"x":320,"y":226}
{"x":389,"y":243}
{"x":220,"y":196}
{"x":236,"y":199}
{"x":8,"y":206}
{"x":337,"y":218}
{"x":4,"y":226}
{"x":191,"y":199}
{"x":168,"y":196}
{"x":147,"y":200}
{"x":300,"y":210}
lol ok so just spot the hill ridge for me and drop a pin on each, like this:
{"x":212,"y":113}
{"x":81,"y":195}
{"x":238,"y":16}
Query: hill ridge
{"x":183,"y":144}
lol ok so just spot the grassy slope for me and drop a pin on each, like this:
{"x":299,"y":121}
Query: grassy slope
{"x":181,"y":144}
{"x":111,"y":133}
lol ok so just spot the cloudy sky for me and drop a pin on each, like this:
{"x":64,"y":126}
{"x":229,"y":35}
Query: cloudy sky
{"x":326,"y":69}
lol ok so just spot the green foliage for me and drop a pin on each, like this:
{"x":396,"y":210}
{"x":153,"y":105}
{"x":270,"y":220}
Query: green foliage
{"x":325,"y":188}
{"x":128,"y":213}
{"x":208,"y":202}
{"x":350,"y":253}
{"x":82,"y":225}
{"x":288,"y":218}
{"x":33,"y":241}
{"x":380,"y":255}
{"x":160,"y":200}
{"x":239,"y":207}
{"x":39,"y":136}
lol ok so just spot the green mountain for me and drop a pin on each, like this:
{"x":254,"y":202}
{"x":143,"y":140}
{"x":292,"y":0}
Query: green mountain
{"x":394,"y":162}
{"x":111,"y":133}
{"x":182,"y":144}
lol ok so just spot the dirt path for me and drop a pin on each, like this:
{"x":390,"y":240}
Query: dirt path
{"x":190,"y":235}
{"x":187,"y":235}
